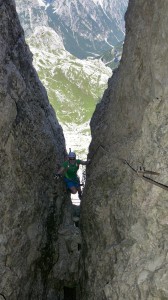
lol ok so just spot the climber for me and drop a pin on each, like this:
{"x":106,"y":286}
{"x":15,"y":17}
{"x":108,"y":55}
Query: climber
{"x":69,"y":170}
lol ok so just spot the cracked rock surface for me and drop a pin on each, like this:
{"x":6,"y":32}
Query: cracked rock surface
{"x":124,"y":219}
{"x":33,"y":206}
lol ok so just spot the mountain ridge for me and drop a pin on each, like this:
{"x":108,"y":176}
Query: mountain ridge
{"x":74,"y":86}
{"x":87,"y":28}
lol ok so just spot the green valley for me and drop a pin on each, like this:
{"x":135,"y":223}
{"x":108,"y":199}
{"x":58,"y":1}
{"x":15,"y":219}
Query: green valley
{"x":74,"y":86}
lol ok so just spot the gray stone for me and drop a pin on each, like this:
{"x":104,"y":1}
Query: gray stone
{"x":122,"y":213}
{"x":33,"y":205}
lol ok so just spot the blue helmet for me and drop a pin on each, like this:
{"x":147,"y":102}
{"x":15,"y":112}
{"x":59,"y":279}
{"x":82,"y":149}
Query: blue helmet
{"x":72,"y":155}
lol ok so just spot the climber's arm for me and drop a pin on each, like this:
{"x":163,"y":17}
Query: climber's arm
{"x":85,"y":162}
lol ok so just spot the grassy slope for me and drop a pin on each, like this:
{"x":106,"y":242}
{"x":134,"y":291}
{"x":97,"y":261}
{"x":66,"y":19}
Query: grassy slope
{"x":73,"y":86}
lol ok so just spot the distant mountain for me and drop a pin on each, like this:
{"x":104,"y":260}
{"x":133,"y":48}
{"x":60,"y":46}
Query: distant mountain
{"x":74,"y":86}
{"x":87,"y":27}
{"x":32,"y":13}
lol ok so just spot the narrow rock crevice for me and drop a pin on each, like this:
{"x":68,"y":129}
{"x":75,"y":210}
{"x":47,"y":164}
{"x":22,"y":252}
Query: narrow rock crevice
{"x":122,"y":252}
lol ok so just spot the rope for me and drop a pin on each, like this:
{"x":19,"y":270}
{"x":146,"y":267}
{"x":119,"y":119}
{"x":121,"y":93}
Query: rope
{"x":141,"y":175}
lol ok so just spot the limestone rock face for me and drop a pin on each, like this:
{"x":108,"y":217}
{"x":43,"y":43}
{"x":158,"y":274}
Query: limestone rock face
{"x":33,"y":206}
{"x":124,"y":218}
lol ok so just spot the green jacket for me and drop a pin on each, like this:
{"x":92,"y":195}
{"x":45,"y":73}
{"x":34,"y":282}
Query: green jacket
{"x":71,"y":170}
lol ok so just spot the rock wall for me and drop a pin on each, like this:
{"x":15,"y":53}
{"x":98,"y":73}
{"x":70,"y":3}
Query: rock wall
{"x":35,"y":210}
{"x":124,"y":218}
